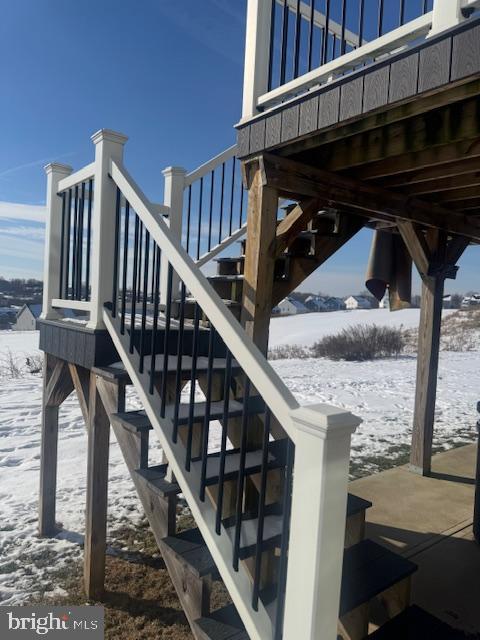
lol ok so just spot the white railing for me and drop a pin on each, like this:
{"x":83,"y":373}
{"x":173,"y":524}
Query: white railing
{"x":256,"y":94}
{"x":321,"y":435}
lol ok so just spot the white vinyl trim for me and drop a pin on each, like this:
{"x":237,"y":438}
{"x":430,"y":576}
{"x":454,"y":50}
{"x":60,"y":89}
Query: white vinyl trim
{"x":76,"y":178}
{"x":205,"y":168}
{"x":222,"y":246}
{"x":78,"y":305}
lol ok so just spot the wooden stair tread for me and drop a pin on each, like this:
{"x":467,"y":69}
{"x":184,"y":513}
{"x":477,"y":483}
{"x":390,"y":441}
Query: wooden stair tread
{"x":190,"y":549}
{"x":368,"y":570}
{"x":114,"y":373}
{"x":219,"y":364}
{"x":355,"y":505}
{"x":155,"y":477}
{"x":223,"y":624}
{"x":416,"y":624}
{"x":253,"y":462}
{"x":138,"y":421}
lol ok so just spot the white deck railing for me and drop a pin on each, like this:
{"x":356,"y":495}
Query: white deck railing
{"x":259,"y":96}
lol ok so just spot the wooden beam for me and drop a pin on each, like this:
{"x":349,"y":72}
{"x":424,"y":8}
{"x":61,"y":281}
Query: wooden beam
{"x":428,"y":158}
{"x":453,"y":123}
{"x":416,"y":245}
{"x":97,"y":493}
{"x":472,"y":204}
{"x":454,"y":195}
{"x":48,"y":456}
{"x":434,"y":174}
{"x":59,"y":385}
{"x":325,"y":247}
{"x":259,"y":257}
{"x":295,"y":179}
{"x":295,"y":222}
{"x":445,"y":185}
{"x":81,"y":381}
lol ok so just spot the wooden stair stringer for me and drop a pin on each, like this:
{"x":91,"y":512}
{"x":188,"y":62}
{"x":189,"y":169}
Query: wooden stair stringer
{"x":257,"y":623}
{"x":193,"y":592}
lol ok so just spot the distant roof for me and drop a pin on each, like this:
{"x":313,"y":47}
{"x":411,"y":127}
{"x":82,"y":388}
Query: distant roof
{"x":35,"y":309}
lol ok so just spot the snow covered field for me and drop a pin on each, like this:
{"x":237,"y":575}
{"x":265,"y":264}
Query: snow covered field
{"x":306,"y":329}
{"x":380,"y":392}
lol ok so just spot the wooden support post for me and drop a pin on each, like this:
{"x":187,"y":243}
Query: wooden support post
{"x":427,"y":373}
{"x":97,"y":493}
{"x":56,"y":388}
{"x":259,"y":257}
{"x":434,"y":256}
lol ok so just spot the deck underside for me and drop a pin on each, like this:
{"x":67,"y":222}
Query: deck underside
{"x":396,"y":135}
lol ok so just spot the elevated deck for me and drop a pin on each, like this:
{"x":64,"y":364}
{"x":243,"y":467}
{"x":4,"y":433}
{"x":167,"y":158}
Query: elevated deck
{"x":429,"y":520}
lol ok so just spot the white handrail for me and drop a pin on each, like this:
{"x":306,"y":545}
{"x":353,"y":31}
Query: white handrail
{"x":208,"y":166}
{"x":263,"y":377}
{"x":76,"y":178}
{"x":236,"y":235}
{"x":384,"y":44}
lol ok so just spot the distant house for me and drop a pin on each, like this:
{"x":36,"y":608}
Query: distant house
{"x":289,"y":307}
{"x":315,"y":303}
{"x":357,"y":302}
{"x":334,"y":304}
{"x":27,"y":316}
{"x":447,"y":301}
{"x":472,"y":300}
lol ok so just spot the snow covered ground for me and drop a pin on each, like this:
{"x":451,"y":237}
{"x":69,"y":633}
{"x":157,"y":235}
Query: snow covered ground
{"x":306,"y":329}
{"x":380,"y":392}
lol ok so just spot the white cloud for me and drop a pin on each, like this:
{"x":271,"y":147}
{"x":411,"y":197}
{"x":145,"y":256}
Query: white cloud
{"x":16,"y":211}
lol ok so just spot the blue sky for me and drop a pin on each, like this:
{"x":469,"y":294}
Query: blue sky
{"x":166,"y":73}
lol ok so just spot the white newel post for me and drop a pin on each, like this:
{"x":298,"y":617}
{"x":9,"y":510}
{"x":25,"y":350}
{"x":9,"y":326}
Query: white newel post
{"x":317,"y":532}
{"x":173,"y":198}
{"x":108,"y":146}
{"x":257,"y":54}
{"x":446,"y":14}
{"x":53,"y":238}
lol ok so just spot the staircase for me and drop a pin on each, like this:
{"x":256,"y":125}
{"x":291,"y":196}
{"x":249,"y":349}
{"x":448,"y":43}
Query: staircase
{"x":265,"y":479}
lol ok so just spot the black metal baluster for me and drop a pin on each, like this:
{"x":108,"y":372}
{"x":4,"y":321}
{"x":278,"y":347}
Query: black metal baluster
{"x":425,"y":6}
{"x":232,"y":196}
{"x":62,"y":244}
{"x":74,"y":245}
{"x":223,"y":444}
{"x":284,"y":45}
{"x":116,"y":253}
{"x":166,"y":339}
{"x":189,"y":212}
{"x":139,"y":275}
{"x":222,"y":190}
{"x":241,"y":475}
{"x":212,"y":187}
{"x":380,"y":17}
{"x":152,"y":284}
{"x":343,"y":42}
{"x":89,"y":238}
{"x":272,"y":44}
{"x":69,"y":233}
{"x":81,"y":210}
{"x":310,"y":34}
{"x":156,"y":304}
{"x":261,"y":511}
{"x":134,"y":284}
{"x":361,"y":22}
{"x":200,"y":207}
{"x":325,"y":32}
{"x":144,"y":300}
{"x":282,"y":570}
{"x":242,"y":195}
{"x":125,"y":266}
{"x":178,"y":377}
{"x":208,"y":403}
{"x":193,"y":381}
{"x":401,"y":18}
{"x":298,"y":33}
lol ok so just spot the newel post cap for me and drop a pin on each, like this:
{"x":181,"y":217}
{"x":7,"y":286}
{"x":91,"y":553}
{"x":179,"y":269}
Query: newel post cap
{"x":174,"y":171}
{"x":110,"y":136}
{"x":57,"y":167}
{"x":325,"y":421}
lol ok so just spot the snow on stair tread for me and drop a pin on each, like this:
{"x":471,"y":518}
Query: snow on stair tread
{"x":219,"y":364}
{"x":138,"y":420}
{"x":253,"y":462}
